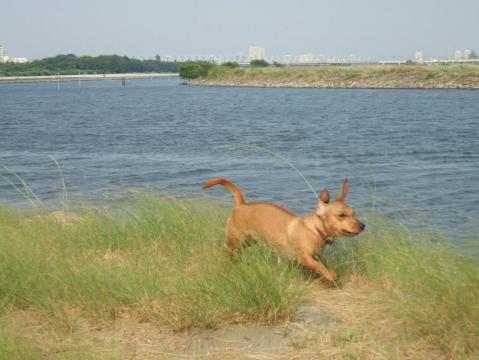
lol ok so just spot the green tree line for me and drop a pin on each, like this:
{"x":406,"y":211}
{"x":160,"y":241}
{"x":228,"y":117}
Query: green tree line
{"x":71,"y":64}
{"x":194,"y":70}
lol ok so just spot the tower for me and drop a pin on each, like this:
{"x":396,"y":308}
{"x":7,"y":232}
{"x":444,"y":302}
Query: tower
{"x":256,"y":53}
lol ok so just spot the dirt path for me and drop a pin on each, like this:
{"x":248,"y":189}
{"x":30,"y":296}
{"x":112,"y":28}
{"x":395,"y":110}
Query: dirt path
{"x":349,"y":323}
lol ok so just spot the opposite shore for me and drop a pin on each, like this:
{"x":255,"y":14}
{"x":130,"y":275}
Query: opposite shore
{"x":84,"y":77}
{"x":367,"y":77}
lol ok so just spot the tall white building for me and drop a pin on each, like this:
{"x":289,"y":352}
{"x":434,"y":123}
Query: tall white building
{"x":256,"y":53}
{"x":457,"y":55}
{"x":467,"y":54}
{"x":2,"y":55}
{"x":418,"y":56}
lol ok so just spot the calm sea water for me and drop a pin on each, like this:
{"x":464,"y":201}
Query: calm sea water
{"x":409,"y":152}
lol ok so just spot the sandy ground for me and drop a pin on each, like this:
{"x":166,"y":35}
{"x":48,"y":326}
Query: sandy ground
{"x":348,"y":323}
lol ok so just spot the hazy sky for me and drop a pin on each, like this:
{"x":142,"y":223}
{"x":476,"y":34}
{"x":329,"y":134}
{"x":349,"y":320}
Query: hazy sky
{"x":39,"y":28}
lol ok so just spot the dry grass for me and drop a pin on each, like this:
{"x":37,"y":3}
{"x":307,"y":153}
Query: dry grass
{"x":368,"y":329}
{"x":389,"y":76}
{"x":365,"y":329}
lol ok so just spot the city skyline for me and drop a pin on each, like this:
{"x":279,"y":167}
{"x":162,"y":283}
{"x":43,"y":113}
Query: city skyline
{"x":364,"y":28}
{"x":452,"y":53}
{"x":259,"y":53}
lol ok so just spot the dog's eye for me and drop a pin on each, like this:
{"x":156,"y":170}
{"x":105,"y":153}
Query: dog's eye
{"x":342,"y":215}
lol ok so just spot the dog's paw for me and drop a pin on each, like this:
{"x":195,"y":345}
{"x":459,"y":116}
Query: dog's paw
{"x":332,"y":276}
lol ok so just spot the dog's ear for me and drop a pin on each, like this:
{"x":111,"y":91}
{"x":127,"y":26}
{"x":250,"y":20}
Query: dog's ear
{"x":344,"y":191}
{"x":323,"y":200}
{"x":324,"y":196}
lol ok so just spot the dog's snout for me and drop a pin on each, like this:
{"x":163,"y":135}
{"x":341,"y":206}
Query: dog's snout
{"x":362,"y":226}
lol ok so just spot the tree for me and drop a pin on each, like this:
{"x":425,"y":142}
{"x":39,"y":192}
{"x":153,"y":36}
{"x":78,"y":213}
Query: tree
{"x":72,"y":64}
{"x":259,"y":63}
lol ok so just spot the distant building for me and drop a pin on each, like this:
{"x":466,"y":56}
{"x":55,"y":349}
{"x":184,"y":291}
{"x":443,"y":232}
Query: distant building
{"x":2,"y":54}
{"x":256,"y":53}
{"x":419,"y":57}
{"x":469,"y":54}
{"x":457,"y":55}
{"x":306,"y":58}
{"x":16,"y":60}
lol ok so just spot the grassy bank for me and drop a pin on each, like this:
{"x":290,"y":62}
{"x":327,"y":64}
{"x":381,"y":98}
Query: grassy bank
{"x":403,"y":76}
{"x":158,"y":260}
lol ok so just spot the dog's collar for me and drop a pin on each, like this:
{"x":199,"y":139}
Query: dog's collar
{"x":327,"y":239}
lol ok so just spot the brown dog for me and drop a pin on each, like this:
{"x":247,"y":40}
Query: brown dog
{"x":299,"y":237}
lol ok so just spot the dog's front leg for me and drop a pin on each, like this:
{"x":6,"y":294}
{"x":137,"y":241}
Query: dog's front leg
{"x":316,"y":265}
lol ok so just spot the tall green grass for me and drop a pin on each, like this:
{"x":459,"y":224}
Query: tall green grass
{"x":163,"y":260}
{"x":433,"y":289}
{"x":160,"y":258}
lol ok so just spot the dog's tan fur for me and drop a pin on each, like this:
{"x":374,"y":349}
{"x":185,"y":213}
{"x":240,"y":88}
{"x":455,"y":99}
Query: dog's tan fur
{"x":300,"y":237}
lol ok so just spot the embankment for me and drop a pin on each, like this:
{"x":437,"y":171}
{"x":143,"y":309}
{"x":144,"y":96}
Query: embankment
{"x":62,"y":78}
{"x":368,"y":77}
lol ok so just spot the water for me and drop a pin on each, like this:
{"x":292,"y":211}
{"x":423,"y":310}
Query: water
{"x":416,"y":149}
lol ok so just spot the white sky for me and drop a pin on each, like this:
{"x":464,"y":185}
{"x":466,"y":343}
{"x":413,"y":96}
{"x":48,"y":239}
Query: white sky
{"x":40,"y":28}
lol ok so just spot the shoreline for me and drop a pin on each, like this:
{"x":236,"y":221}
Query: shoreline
{"x":84,"y":77}
{"x":365,"y":77}
{"x":299,"y":86}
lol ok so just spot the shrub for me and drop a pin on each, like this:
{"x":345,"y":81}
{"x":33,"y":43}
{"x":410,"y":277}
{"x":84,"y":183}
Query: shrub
{"x":259,"y":63}
{"x":230,"y":64}
{"x":194,"y":70}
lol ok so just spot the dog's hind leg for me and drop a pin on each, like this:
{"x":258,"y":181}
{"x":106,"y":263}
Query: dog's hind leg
{"x":235,"y":238}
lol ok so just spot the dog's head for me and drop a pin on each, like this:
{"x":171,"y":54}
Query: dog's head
{"x":338,"y":218}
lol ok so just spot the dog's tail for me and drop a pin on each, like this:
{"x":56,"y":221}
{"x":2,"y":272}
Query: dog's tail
{"x":238,"y":196}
